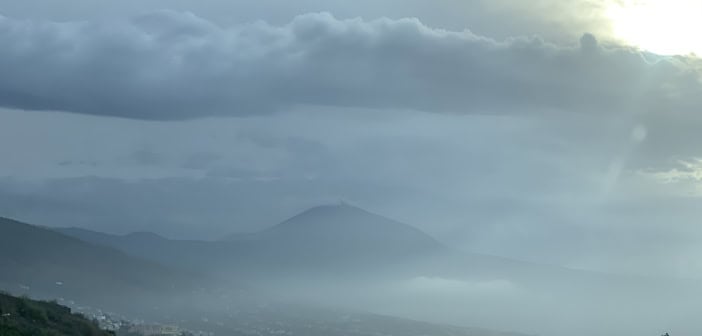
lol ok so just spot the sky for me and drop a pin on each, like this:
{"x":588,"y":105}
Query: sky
{"x":560,"y":132}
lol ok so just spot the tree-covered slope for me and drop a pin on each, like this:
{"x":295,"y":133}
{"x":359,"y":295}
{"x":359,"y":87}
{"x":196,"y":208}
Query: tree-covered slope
{"x":25,"y":317}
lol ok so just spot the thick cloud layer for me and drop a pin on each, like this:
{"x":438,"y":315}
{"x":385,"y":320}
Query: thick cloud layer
{"x":169,"y":65}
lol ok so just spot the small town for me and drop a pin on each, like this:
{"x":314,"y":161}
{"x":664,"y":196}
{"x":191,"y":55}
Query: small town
{"x":123,"y":326}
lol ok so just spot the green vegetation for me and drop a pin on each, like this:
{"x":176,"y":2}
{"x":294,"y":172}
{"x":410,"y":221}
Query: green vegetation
{"x":25,"y":317}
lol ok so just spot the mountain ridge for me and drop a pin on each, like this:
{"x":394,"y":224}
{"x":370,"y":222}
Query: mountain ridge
{"x":327,"y":236}
{"x":51,"y":263}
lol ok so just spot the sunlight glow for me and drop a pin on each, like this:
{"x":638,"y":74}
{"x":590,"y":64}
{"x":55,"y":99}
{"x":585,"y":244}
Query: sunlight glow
{"x":667,"y":27}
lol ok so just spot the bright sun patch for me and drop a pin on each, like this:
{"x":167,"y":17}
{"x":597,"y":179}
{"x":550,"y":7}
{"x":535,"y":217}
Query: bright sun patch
{"x":668,"y":27}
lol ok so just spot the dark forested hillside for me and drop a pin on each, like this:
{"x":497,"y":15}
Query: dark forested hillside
{"x":25,"y":317}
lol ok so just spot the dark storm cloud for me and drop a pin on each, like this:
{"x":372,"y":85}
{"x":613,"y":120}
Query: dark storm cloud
{"x":169,"y":65}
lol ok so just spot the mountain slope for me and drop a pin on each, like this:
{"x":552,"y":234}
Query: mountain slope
{"x":342,"y":237}
{"x":329,"y":238}
{"x":346,"y":228}
{"x":341,"y":256}
{"x":54,"y":265}
{"x":25,"y":317}
{"x":195,"y":256}
{"x":340,"y":241}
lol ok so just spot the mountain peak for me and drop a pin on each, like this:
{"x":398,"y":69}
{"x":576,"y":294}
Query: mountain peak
{"x":340,"y":214}
{"x":337,"y":209}
{"x":345,"y":226}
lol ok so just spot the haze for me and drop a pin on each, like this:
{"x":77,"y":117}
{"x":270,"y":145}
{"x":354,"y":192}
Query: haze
{"x":546,"y":153}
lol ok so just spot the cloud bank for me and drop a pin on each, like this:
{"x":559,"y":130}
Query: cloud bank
{"x":170,"y":65}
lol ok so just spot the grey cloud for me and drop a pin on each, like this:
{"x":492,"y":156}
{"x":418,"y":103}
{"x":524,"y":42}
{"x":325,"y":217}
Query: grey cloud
{"x":147,"y":156}
{"x":506,"y":16}
{"x":201,"y":160}
{"x":169,"y":65}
